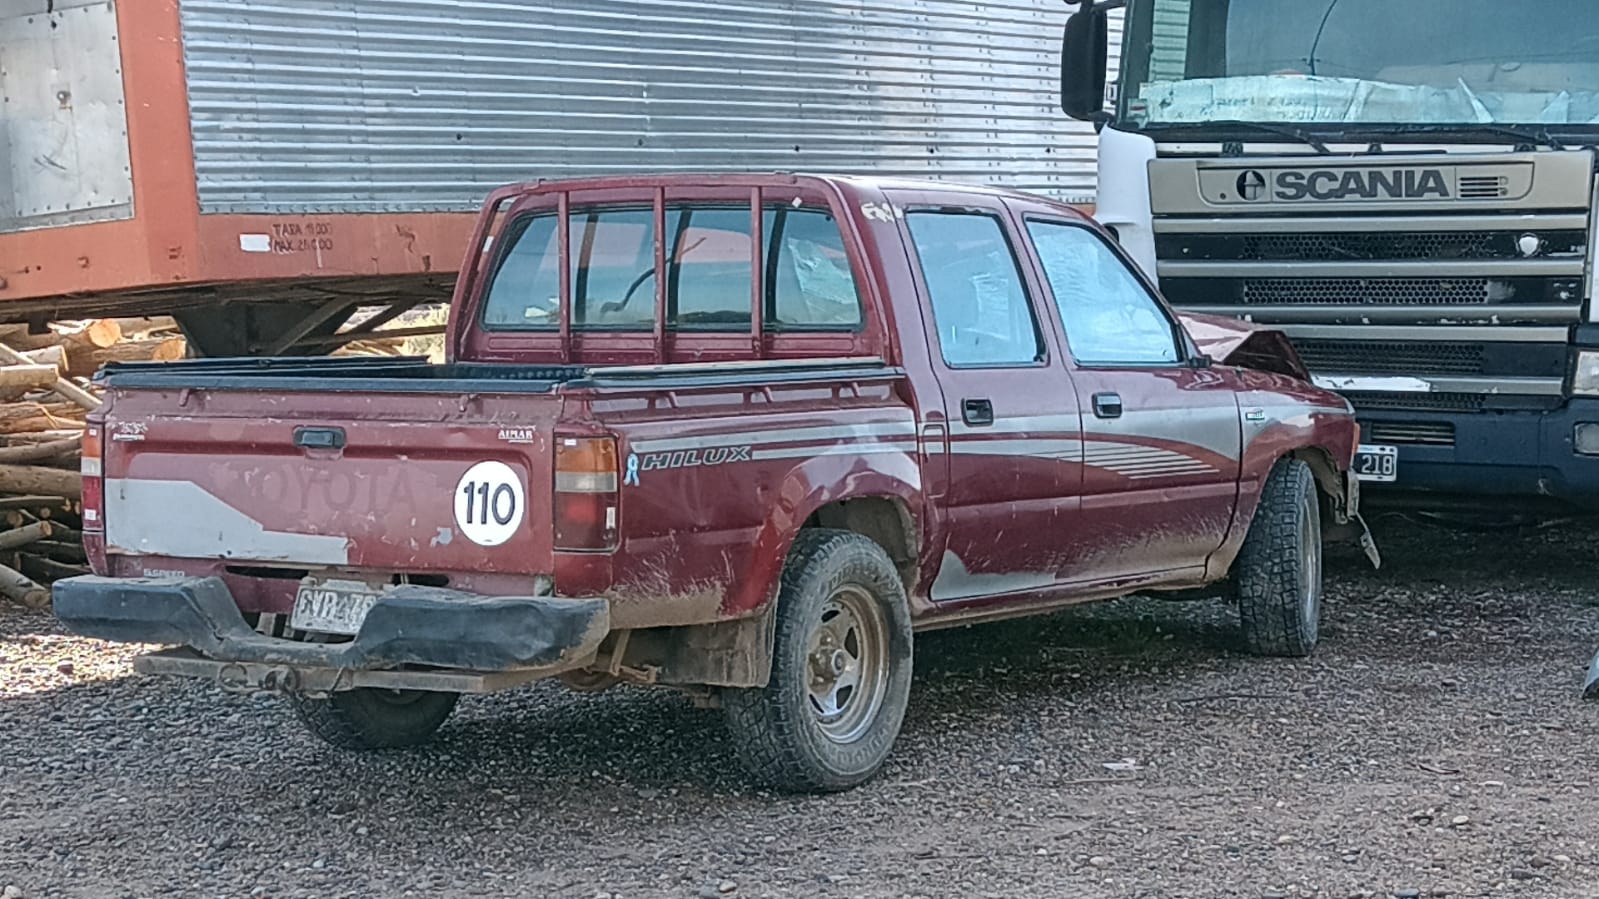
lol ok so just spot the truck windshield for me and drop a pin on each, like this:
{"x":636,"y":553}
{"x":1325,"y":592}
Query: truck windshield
{"x":1362,"y":62}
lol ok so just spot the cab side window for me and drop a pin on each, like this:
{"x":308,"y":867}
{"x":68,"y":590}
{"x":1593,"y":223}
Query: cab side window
{"x":1109,"y":316}
{"x":975,"y":286}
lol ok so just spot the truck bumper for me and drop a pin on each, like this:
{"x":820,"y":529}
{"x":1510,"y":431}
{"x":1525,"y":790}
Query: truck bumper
{"x":1533,"y":455}
{"x":410,"y":628}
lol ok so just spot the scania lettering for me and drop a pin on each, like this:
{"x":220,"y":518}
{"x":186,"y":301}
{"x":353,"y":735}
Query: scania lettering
{"x":1406,"y":190}
{"x":1328,"y":185}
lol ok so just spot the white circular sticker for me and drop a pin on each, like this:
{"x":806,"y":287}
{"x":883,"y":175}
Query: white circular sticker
{"x":489,"y":503}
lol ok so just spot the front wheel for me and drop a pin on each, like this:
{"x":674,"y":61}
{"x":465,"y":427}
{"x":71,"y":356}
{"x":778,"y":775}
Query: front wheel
{"x":371,"y":718}
{"x":841,"y":669}
{"x":1279,"y":568}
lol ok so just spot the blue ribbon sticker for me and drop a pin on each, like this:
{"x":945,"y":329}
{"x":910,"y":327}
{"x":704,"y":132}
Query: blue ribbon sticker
{"x":631,"y":477}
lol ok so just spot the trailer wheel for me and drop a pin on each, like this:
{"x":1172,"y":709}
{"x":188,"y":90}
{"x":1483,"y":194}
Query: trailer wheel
{"x":1278,"y":573}
{"x":376,"y":719}
{"x":841,"y":669}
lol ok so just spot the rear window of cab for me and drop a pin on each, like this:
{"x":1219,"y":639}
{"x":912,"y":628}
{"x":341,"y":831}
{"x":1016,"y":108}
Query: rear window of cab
{"x":808,"y":285}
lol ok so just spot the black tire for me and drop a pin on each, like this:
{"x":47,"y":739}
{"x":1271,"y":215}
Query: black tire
{"x":789,"y":738}
{"x":376,"y":719}
{"x":1278,"y":572}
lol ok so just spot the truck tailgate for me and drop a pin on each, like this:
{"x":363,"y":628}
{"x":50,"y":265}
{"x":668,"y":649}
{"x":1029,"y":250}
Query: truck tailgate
{"x":401,"y":482}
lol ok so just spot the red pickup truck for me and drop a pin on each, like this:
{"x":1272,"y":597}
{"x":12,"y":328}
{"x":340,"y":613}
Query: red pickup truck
{"x":738,"y":435}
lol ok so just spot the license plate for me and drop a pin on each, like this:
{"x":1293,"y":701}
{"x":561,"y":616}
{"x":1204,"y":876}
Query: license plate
{"x":332,"y":607}
{"x":1375,"y":462}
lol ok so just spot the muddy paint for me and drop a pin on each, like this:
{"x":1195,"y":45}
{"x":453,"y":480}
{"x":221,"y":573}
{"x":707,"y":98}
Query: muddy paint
{"x":717,"y":473}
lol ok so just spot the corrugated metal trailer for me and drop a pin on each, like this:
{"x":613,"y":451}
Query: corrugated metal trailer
{"x":213,"y":154}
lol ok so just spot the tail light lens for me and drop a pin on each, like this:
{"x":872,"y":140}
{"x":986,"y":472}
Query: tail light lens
{"x":586,"y":482}
{"x":93,"y":512}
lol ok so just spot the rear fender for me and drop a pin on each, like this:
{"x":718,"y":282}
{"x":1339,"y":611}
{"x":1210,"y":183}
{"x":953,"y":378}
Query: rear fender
{"x":817,"y":482}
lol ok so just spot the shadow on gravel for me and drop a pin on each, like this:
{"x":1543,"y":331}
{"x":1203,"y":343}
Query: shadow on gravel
{"x":533,"y":739}
{"x":545,"y":738}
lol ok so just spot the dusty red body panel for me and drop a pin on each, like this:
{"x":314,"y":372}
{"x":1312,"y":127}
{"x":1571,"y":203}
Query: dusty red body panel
{"x":721,"y":463}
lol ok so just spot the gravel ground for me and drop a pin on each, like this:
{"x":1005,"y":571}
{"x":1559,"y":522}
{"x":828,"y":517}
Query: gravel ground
{"x":1435,"y":746}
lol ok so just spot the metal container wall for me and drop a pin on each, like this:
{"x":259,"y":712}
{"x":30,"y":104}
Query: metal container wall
{"x":359,"y":106}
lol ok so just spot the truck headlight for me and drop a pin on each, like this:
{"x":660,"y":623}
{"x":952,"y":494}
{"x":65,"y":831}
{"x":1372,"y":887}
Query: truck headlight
{"x":1585,"y":376}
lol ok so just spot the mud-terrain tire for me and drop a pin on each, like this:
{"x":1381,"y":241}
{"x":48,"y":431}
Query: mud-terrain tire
{"x":376,"y":719}
{"x":1278,"y":573}
{"x":842,"y":617}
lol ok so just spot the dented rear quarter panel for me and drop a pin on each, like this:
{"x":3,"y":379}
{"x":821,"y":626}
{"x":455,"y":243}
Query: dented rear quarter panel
{"x":715,"y":490}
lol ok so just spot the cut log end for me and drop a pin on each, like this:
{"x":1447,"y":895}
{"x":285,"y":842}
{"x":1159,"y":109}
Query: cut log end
{"x":20,"y":588}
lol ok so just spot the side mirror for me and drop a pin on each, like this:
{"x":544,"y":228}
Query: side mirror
{"x":1084,"y":55}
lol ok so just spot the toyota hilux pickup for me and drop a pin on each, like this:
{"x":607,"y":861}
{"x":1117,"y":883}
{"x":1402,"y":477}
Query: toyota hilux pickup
{"x":744,"y":436}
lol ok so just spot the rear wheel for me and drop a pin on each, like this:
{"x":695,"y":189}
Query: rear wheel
{"x":376,"y":719}
{"x":841,"y":669}
{"x":1278,"y":573}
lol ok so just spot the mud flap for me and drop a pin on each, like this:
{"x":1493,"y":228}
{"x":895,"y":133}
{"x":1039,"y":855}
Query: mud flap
{"x":1347,"y":524}
{"x":1351,"y":512}
{"x":1366,"y":542}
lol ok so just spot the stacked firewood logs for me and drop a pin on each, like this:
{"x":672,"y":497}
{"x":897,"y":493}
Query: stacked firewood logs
{"x":45,"y":393}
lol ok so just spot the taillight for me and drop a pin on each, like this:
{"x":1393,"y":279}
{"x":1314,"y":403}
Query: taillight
{"x":93,"y":500}
{"x":586,"y":483}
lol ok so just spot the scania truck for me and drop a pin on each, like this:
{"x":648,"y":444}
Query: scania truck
{"x":1406,"y":188}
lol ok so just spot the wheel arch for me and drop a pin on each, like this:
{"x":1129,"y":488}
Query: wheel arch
{"x":828,"y":492}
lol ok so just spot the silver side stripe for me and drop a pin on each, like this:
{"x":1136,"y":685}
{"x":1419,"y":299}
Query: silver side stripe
{"x":1069,"y":450}
{"x":848,"y":449}
{"x":1021,"y":425}
{"x":777,"y":435}
{"x":1129,"y":460}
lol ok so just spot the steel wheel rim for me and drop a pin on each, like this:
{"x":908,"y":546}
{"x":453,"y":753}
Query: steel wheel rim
{"x":1310,"y":569}
{"x":846,"y":664}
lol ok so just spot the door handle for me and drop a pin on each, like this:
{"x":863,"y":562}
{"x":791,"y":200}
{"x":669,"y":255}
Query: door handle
{"x":1108,"y":405}
{"x":977,"y":412}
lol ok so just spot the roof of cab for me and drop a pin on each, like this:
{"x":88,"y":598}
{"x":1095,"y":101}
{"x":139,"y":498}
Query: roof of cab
{"x":846,"y":184}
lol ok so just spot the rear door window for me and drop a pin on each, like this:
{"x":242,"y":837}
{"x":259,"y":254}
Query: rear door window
{"x":975,"y":286}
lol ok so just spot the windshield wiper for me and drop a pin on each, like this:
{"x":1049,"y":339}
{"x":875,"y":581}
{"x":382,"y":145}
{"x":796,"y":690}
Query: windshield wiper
{"x":1533,"y":136}
{"x":1298,"y":134}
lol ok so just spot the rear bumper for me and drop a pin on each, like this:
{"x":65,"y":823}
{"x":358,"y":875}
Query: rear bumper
{"x":1529,"y":455}
{"x":410,"y":626}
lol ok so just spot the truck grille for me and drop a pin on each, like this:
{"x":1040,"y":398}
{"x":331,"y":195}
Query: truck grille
{"x":1436,"y":245}
{"x":1427,"y":402}
{"x":1379,"y":358}
{"x":1365,"y":291}
{"x":1352,"y":246}
{"x":1413,"y":434}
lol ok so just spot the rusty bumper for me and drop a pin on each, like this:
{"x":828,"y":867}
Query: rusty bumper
{"x":409,"y":627}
